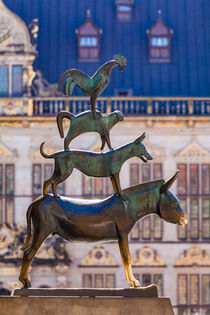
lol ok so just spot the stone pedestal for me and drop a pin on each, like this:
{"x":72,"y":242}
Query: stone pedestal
{"x":85,"y":302}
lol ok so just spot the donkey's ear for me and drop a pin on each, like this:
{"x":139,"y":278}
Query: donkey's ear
{"x":140,"y":139}
{"x":168,"y":184}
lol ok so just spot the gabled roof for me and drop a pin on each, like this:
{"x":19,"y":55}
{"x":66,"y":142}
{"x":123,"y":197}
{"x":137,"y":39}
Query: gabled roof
{"x":88,"y":28}
{"x":159,"y":28}
{"x":188,"y":73}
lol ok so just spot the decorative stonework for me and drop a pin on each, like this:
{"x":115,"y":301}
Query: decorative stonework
{"x":12,"y":106}
{"x":7,"y":155}
{"x":193,"y":257}
{"x":35,"y":154}
{"x":52,"y":252}
{"x":193,"y":152}
{"x":157,"y":153}
{"x":98,"y":256}
{"x":147,"y":256}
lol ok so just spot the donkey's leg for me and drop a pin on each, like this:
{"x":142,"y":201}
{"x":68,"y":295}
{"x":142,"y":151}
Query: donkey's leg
{"x":28,"y":256}
{"x":117,"y":183}
{"x":126,"y":260}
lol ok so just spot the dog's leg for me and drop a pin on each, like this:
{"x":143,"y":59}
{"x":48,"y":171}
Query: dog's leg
{"x":47,"y":184}
{"x":126,"y":260}
{"x":117,"y":183}
{"x":57,"y":181}
{"x":114,"y":185}
{"x":108,"y":141}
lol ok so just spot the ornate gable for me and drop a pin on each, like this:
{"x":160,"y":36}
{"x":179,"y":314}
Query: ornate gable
{"x":98,"y":257}
{"x":14,"y":34}
{"x":193,"y":257}
{"x":193,"y":152}
{"x":147,"y":256}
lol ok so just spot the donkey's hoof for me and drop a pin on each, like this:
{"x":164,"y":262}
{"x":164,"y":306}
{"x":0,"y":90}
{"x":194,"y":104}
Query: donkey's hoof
{"x":135,"y":283}
{"x":26,"y":283}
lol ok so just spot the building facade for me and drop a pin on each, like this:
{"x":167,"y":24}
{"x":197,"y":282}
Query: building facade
{"x":164,"y":92}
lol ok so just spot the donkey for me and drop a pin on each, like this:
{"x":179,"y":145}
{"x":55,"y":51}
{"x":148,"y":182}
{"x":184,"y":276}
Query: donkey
{"x":95,"y":221}
{"x":106,"y":164}
{"x":84,"y":122}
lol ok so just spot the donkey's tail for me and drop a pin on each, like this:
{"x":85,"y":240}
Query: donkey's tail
{"x":50,"y":156}
{"x":28,"y":218}
{"x":61,"y":115}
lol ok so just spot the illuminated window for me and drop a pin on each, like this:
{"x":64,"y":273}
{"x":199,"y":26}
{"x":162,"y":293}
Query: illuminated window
{"x":147,"y":279}
{"x":98,"y":280}
{"x":97,"y":186}
{"x":194,"y":195}
{"x":7,"y":190}
{"x":159,"y":40}
{"x":149,"y":227}
{"x":193,"y":290}
{"x":14,"y":86}
{"x":88,"y":36}
{"x":124,"y":10}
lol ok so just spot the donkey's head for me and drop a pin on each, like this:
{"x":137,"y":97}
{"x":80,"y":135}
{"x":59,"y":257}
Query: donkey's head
{"x":139,"y":149}
{"x":169,"y":207}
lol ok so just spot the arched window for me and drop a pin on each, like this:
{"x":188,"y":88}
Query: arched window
{"x":159,"y":40}
{"x":88,"y":37}
{"x":124,"y":10}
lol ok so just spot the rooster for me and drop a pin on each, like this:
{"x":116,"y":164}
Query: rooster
{"x":91,"y":86}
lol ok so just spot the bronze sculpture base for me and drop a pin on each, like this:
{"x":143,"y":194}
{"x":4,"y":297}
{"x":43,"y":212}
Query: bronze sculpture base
{"x":140,"y":292}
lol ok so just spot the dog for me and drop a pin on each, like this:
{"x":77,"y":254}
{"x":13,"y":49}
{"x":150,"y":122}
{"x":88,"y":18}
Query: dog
{"x":85,"y":122}
{"x":106,"y":164}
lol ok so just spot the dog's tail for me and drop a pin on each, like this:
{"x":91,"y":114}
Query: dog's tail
{"x":28,"y":218}
{"x":50,"y":156}
{"x":61,"y":115}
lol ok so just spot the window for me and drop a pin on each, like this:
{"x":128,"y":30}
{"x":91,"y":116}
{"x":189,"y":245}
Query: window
{"x":41,"y":172}
{"x":149,"y":227}
{"x":124,"y":10}
{"x":13,"y":86}
{"x":88,"y":36}
{"x":193,"y":290}
{"x":96,"y":186}
{"x":194,"y":192}
{"x":98,"y":281}
{"x":4,"y":80}
{"x":159,"y":40}
{"x":147,"y":279}
{"x":7,"y":190}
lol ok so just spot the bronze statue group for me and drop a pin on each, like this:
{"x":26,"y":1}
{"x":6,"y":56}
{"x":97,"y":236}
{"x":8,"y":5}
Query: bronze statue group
{"x":95,"y":221}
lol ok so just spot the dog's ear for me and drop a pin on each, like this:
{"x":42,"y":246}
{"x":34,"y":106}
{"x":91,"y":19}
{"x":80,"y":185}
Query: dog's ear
{"x":140,"y":139}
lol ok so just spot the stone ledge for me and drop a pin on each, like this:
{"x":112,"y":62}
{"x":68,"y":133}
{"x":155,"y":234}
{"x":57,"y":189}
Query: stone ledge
{"x":150,"y":291}
{"x":84,"y":306}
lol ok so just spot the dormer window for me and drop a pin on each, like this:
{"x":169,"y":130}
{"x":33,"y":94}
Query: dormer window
{"x":159,"y":38}
{"x":124,"y":10}
{"x":88,"y":37}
